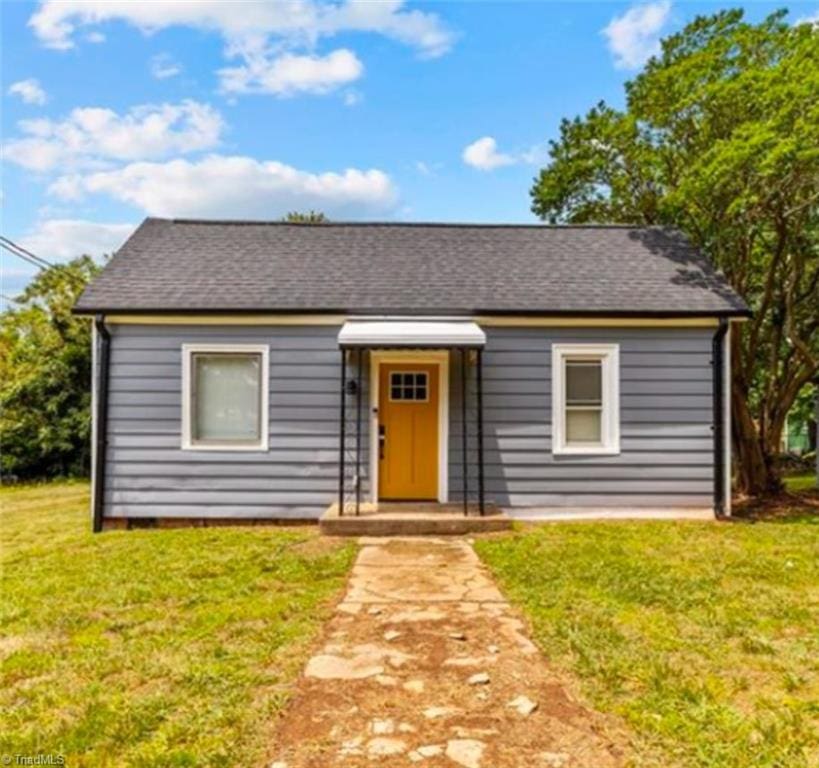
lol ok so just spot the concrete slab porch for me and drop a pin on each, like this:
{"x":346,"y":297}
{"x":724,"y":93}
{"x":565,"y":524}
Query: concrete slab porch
{"x":412,"y":519}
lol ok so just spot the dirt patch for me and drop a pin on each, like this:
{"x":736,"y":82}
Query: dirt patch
{"x":782,"y":507}
{"x":444,"y":676}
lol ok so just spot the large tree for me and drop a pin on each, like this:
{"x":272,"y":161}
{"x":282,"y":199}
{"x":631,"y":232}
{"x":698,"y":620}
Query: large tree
{"x":45,"y":377}
{"x":719,"y":137}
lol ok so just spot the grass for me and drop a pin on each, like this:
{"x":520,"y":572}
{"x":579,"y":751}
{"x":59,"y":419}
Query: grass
{"x":153,"y":647}
{"x":702,"y":637}
{"x":801,"y":483}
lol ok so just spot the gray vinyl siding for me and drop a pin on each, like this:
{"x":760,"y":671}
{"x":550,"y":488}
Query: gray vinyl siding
{"x":666,"y":454}
{"x":666,"y":457}
{"x":149,"y":475}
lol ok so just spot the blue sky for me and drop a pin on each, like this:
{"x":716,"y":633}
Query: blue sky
{"x":380,"y":110}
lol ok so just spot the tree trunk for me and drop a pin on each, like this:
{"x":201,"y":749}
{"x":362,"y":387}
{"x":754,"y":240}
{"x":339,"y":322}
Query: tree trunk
{"x":756,"y":475}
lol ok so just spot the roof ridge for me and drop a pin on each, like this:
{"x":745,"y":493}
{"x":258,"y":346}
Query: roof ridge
{"x":399,"y":224}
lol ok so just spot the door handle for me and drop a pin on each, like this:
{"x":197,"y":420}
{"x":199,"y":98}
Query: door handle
{"x":382,"y":439}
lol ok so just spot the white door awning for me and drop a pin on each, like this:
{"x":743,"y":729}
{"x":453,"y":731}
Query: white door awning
{"x":411,"y":333}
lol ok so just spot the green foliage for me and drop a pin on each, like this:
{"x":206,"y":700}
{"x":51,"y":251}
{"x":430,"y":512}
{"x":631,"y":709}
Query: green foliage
{"x":701,"y":637}
{"x":802,"y":417}
{"x":310,"y":217}
{"x":719,"y":138}
{"x":45,"y":376}
{"x":152,"y":648}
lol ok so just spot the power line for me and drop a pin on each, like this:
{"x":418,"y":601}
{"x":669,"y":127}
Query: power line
{"x":25,"y":251}
{"x":23,"y":254}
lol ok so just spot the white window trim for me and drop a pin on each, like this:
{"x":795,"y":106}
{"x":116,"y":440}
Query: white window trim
{"x":609,"y":355}
{"x":188,"y":351}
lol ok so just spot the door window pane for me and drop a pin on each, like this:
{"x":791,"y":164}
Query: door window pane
{"x":408,"y":386}
{"x":227,"y":397}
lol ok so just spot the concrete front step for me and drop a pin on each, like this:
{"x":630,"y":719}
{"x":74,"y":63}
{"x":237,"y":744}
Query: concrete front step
{"x":412,"y":520}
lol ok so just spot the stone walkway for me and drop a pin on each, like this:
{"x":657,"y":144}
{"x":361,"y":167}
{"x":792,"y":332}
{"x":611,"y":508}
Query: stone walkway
{"x":426,"y":664}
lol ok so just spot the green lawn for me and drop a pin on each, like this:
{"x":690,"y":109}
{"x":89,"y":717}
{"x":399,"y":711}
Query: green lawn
{"x":153,"y":647}
{"x":702,"y":637}
{"x":801,"y":483}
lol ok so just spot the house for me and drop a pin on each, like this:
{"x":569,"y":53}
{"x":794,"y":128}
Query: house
{"x":265,"y":370}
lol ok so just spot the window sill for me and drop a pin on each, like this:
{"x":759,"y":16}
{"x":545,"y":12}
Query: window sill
{"x":225,"y":447}
{"x":589,"y":451}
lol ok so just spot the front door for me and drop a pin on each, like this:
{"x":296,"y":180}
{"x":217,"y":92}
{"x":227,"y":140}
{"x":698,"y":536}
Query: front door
{"x":408,"y":431}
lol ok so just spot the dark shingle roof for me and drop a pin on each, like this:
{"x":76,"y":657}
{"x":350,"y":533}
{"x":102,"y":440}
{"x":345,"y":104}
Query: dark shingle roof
{"x":223,"y":266}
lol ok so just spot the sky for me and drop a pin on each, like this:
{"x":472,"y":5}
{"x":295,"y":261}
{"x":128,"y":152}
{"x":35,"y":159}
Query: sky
{"x":114,"y":110}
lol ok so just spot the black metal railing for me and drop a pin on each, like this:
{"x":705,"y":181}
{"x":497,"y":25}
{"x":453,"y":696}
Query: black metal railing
{"x":350,"y":445}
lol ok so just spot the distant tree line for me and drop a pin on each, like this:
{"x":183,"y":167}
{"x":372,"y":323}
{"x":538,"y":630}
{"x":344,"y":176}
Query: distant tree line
{"x":305,"y":217}
{"x":45,"y":377}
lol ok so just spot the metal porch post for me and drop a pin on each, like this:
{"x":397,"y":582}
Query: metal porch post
{"x":463,"y":433}
{"x":358,"y":436}
{"x":479,"y":375}
{"x":341,"y":433}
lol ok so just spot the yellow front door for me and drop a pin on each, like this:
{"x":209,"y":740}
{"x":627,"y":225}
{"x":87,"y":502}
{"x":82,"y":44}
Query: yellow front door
{"x":408,"y":431}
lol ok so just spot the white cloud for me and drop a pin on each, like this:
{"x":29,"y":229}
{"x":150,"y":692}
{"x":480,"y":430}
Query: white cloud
{"x":634,"y":37}
{"x":289,"y":73}
{"x":812,"y":18}
{"x":93,"y":135}
{"x":62,"y":239}
{"x":56,"y":21}
{"x":273,"y":41}
{"x":483,"y":154}
{"x":418,"y":29}
{"x":164,"y":66}
{"x":537,"y":154}
{"x":235,"y":186}
{"x":30,"y":91}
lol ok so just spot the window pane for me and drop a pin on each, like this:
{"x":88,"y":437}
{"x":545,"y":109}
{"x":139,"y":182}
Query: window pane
{"x":583,"y":426}
{"x":227,"y":392}
{"x":408,"y":386}
{"x":584,"y":381}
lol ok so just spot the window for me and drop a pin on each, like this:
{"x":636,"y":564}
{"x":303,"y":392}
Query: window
{"x":224,"y":397}
{"x":585,"y":399}
{"x":409,"y":386}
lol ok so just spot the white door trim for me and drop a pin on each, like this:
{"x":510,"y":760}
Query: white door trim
{"x":439,"y":358}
